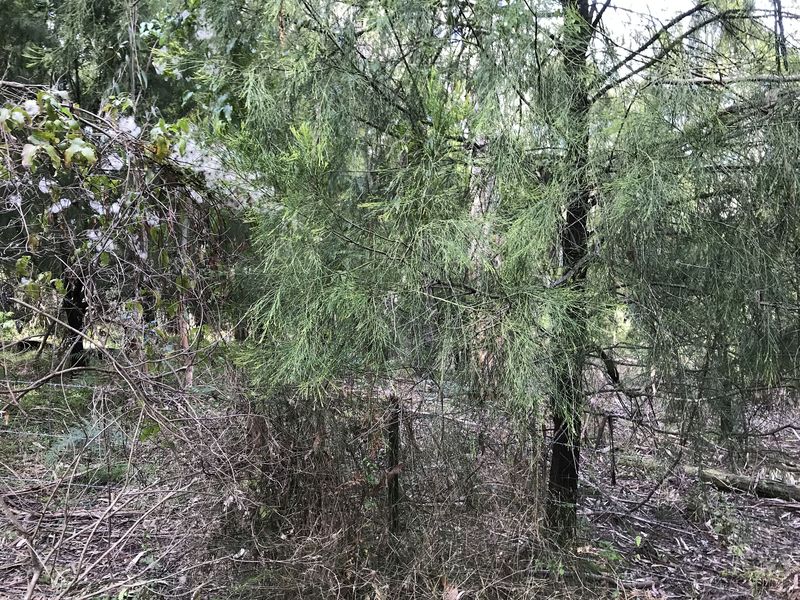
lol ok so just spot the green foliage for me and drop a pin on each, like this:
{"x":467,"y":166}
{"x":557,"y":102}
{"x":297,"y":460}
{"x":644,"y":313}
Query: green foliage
{"x":23,"y":28}
{"x":373,"y":136}
{"x":480,"y":194}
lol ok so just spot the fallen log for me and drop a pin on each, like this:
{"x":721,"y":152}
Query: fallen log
{"x":722,"y":480}
{"x":29,"y":344}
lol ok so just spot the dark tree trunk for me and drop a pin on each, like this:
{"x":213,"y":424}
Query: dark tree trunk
{"x":393,"y":459}
{"x":781,"y":53}
{"x":75,"y":307}
{"x":240,"y":331}
{"x":565,"y":459}
{"x":567,"y":397}
{"x":149,"y":314}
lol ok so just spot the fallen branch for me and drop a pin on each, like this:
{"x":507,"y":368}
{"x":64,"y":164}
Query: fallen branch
{"x":726,"y":482}
{"x":37,"y":564}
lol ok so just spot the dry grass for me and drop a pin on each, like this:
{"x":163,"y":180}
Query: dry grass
{"x":215,"y":492}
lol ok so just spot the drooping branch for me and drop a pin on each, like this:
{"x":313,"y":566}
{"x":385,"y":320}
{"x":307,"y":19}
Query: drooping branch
{"x":764,"y":78}
{"x":653,"y":39}
{"x":659,"y":56}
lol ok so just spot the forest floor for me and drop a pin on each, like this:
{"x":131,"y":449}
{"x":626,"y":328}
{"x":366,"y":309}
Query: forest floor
{"x":692,"y":542}
{"x":112,"y":512}
{"x":666,"y":534}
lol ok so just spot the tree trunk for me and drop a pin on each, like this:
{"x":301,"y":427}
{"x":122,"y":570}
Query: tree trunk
{"x":567,"y":398}
{"x":75,"y":307}
{"x":393,"y":459}
{"x":241,"y":331}
{"x":183,"y":313}
{"x":183,"y":332}
{"x":565,"y":459}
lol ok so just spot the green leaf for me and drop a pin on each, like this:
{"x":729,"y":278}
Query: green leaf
{"x":149,"y":431}
{"x":217,"y":223}
{"x":136,"y":306}
{"x":89,"y":155}
{"x":32,"y":290}
{"x":184,"y":283}
{"x":23,"y":266}
{"x":82,"y":149}
{"x":53,"y":154}
{"x":28,"y":152}
{"x":18,"y":116}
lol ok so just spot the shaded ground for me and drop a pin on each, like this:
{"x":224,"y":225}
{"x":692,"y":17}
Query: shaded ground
{"x":122,"y":502}
{"x":674,"y":536}
{"x":692,"y":541}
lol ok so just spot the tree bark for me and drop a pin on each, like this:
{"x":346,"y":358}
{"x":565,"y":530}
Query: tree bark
{"x":75,"y":307}
{"x":562,"y":498}
{"x":183,"y":314}
{"x":567,"y":398}
{"x":393,"y":458}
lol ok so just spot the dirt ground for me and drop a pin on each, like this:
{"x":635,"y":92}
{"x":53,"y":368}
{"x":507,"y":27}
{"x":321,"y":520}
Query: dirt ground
{"x":665,"y":534}
{"x":109,"y":526}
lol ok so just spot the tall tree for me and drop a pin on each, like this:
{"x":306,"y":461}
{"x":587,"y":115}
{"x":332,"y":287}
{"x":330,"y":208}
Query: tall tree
{"x":574,"y":248}
{"x":467,"y":189}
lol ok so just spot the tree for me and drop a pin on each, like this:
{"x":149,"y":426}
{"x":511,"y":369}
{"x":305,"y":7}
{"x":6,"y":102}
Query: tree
{"x":24,"y":27}
{"x":567,"y":397}
{"x":380,"y":129}
{"x":106,"y":226}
